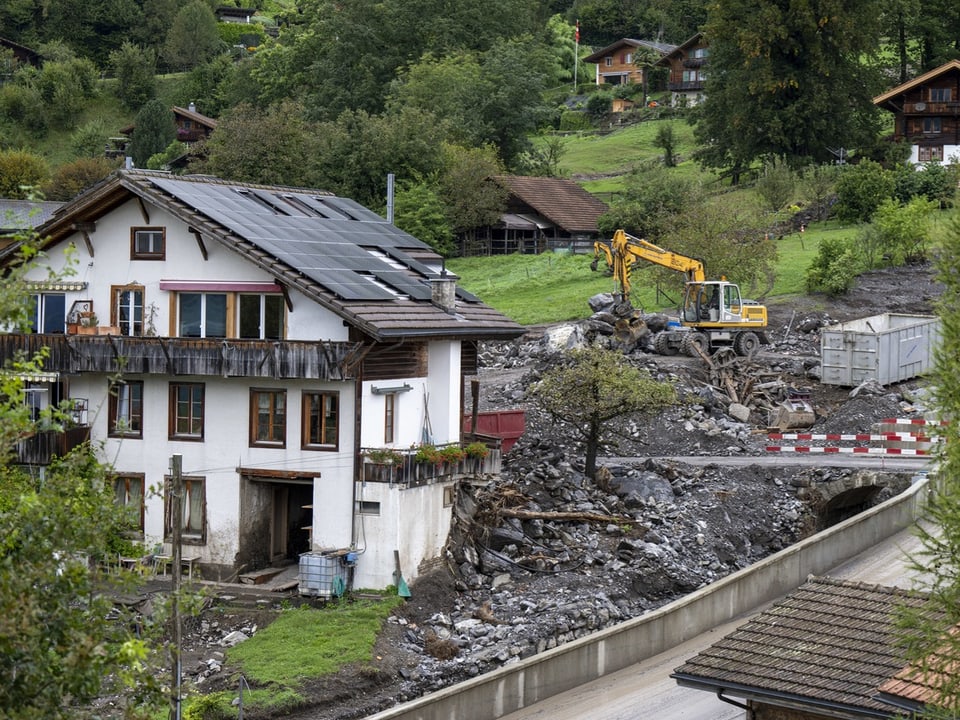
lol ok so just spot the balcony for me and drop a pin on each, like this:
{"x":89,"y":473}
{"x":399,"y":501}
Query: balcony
{"x":407,"y":469}
{"x":41,"y":447}
{"x":685,"y":86}
{"x":931,"y":108}
{"x":76,"y":354}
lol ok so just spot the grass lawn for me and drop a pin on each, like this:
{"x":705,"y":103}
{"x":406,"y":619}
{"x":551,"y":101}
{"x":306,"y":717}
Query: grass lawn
{"x":555,"y":287}
{"x":326,"y":639}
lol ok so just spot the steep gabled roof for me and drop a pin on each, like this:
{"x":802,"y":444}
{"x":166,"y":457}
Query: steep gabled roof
{"x":198,"y":118}
{"x":561,"y":201}
{"x":683,"y":47}
{"x":828,"y":646}
{"x":953,"y":65}
{"x":333,"y":250}
{"x":598,"y":55}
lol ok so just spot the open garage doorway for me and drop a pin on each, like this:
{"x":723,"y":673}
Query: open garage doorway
{"x":276,"y":520}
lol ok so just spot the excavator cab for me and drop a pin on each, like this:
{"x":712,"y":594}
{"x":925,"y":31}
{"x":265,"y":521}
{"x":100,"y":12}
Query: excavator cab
{"x":711,"y":301}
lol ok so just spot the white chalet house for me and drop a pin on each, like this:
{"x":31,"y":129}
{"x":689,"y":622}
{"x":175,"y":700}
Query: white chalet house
{"x":270,"y":336}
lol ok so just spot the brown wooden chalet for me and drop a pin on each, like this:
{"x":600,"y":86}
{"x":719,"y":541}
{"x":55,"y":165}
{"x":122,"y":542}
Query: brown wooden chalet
{"x":192,"y":126}
{"x":687,"y":62}
{"x":541,"y":213}
{"x":21,"y":53}
{"x":927,"y":113}
{"x":616,"y":63}
{"x":821,"y":653}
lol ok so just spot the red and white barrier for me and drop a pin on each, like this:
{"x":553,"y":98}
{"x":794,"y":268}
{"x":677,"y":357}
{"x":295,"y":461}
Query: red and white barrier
{"x":852,"y":450}
{"x":904,"y":436}
{"x":921,"y":444}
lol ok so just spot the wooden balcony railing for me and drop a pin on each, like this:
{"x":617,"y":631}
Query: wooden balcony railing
{"x":406,"y":470}
{"x":75,"y":354}
{"x":41,"y":447}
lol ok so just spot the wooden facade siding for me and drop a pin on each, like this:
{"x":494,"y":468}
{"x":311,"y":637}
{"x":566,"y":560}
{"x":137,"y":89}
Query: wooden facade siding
{"x":73,"y":354}
{"x":395,"y":360}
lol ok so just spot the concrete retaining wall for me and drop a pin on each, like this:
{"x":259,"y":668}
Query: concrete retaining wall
{"x":517,"y":686}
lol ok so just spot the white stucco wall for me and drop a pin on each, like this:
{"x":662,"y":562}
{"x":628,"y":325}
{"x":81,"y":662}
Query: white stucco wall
{"x":413,"y":521}
{"x":111,"y":265}
{"x":951,"y":153}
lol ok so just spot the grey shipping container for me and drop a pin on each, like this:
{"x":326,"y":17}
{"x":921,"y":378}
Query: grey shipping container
{"x":887,"y":348}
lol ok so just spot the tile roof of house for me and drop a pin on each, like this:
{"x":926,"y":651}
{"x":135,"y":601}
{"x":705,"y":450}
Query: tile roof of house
{"x":919,"y":80}
{"x":18,"y":215}
{"x":598,"y":55}
{"x":561,"y":201}
{"x":333,"y":250}
{"x":933,"y":681}
{"x":828,"y":646}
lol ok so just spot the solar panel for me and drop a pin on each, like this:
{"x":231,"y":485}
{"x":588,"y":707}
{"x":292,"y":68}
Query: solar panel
{"x":329,"y":247}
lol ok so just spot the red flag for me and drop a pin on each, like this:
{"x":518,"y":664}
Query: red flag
{"x":576,"y":35}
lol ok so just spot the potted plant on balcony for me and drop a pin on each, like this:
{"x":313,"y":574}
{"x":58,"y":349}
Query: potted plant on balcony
{"x":88,"y":324}
{"x":381,"y":463}
{"x":475,"y":453}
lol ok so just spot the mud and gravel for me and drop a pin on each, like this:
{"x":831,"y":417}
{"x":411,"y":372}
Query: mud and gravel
{"x":519,"y":578}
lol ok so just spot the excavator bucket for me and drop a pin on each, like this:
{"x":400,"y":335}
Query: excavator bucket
{"x":794,"y":412}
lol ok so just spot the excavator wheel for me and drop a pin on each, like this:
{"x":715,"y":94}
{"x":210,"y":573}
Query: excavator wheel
{"x":695,"y":342}
{"x":661,"y":343}
{"x":746,"y":343}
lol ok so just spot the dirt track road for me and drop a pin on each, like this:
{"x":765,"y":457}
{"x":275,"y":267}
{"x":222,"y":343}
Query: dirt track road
{"x":646,"y":690}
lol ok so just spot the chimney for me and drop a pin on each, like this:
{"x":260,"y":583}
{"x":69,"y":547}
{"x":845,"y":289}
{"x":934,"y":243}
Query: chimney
{"x":192,"y":107}
{"x":444,"y":290}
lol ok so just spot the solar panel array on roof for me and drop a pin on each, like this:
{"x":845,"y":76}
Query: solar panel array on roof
{"x":324,"y":237}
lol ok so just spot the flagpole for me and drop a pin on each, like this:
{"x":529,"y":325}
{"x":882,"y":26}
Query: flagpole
{"x":576,"y":54}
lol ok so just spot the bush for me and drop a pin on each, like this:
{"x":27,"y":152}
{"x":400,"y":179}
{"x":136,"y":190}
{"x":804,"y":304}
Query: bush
{"x":71,"y":179}
{"x":21,"y":172}
{"x":835,"y":267}
{"x":860,"y":190}
{"x":901,"y":232}
{"x":571,"y":120}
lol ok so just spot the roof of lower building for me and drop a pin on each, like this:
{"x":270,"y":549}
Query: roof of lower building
{"x":598,"y":55}
{"x":827,"y":647}
{"x":561,"y":201}
{"x":343,"y":256}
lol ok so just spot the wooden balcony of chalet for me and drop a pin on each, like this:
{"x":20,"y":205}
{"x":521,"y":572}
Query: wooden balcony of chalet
{"x":685,"y":86}
{"x":931,"y":108}
{"x":42,"y":446}
{"x":75,"y":354}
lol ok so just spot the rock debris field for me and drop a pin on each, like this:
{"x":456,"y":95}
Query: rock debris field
{"x":544,"y":555}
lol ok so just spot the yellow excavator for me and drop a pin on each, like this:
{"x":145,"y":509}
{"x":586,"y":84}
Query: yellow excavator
{"x":712,"y":314}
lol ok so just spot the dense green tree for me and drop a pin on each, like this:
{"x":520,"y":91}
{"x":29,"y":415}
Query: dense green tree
{"x":586,"y":389}
{"x":419,"y":211}
{"x":470,"y":199}
{"x":72,"y":178}
{"x":153,"y":130}
{"x":193,"y":37}
{"x":135,"y":68}
{"x":929,"y":635}
{"x":343,"y":56}
{"x":787,"y":78}
{"x":602,"y":22}
{"x":898,"y":234}
{"x":651,"y":197}
{"x":65,"y":86}
{"x":210,"y":86}
{"x":263,"y":146}
{"x":61,"y":640}
{"x":356,"y":152}
{"x":860,"y":190}
{"x":934,"y":181}
{"x":21,"y":173}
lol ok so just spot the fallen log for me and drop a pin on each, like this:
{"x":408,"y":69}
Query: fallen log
{"x":562,"y":515}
